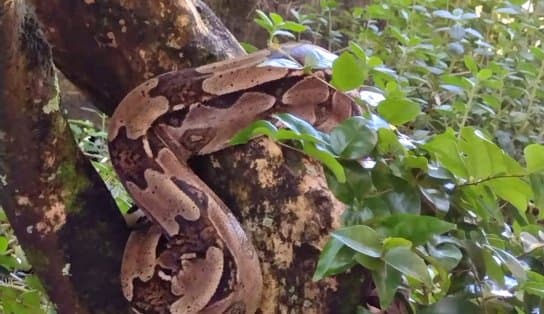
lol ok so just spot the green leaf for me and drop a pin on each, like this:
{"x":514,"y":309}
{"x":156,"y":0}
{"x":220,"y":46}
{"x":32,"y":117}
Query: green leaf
{"x":388,"y":142}
{"x":348,"y":72}
{"x":404,"y":198}
{"x":409,"y":263}
{"x":327,"y":159}
{"x":448,"y":254}
{"x":534,"y":284}
{"x":439,"y":198}
{"x":483,"y":158}
{"x":391,"y":242}
{"x":462,"y":82}
{"x":353,"y":139}
{"x":357,"y":185}
{"x":451,"y":305}
{"x":334,"y":258}
{"x":276,"y":18}
{"x":481,"y":201}
{"x":264,"y":21}
{"x":484,"y":74}
{"x":534,"y":156}
{"x":387,"y":281}
{"x":443,"y":14}
{"x":374,"y":61}
{"x":471,"y":64}
{"x":446,"y":150}
{"x":538,"y":53}
{"x":249,"y":48}
{"x":493,"y":267}
{"x":261,"y":127}
{"x":416,"y":162}
{"x":418,"y":229}
{"x":512,"y":263}
{"x":360,"y":238}
{"x":280,"y":32}
{"x":370,"y":263}
{"x":296,"y":124}
{"x":4,"y":243}
{"x":398,"y":111}
{"x":294,"y":27}
{"x":537,"y":184}
{"x":513,"y":190}
{"x":358,"y":51}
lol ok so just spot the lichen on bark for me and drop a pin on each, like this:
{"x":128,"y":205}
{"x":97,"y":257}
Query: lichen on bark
{"x":61,"y":213}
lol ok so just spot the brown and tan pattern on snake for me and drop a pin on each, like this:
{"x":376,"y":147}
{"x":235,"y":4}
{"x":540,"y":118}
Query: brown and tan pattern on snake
{"x":197,"y":258}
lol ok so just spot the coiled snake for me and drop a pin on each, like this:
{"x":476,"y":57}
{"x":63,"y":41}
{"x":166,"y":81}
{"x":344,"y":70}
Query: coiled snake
{"x":207,"y":263}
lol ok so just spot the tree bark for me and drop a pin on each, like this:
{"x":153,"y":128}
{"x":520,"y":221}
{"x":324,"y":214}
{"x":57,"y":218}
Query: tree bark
{"x":62,"y":214}
{"x":108,"y":47}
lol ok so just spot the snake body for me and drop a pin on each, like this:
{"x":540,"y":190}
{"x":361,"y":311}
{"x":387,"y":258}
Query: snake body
{"x":196,"y":257}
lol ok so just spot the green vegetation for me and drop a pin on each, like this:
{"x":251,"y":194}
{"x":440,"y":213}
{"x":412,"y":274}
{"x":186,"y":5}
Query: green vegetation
{"x":444,"y":173}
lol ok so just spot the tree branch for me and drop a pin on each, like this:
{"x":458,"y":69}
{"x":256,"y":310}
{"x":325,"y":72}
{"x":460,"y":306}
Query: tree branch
{"x":68,"y":226}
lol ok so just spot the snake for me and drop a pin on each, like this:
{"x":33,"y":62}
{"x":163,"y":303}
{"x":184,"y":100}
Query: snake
{"x":194,"y":256}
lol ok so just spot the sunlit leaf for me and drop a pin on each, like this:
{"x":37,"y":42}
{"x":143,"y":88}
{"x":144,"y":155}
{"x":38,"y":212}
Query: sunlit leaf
{"x":448,"y":254}
{"x":348,"y":72}
{"x":398,"y":111}
{"x":352,"y":139}
{"x":534,"y":156}
{"x":360,"y":238}
{"x":409,"y":263}
{"x":387,"y":280}
{"x":334,"y":258}
{"x":418,"y":229}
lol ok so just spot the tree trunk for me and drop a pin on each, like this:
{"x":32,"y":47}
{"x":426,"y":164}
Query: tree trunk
{"x":62,"y":214}
{"x":108,"y":47}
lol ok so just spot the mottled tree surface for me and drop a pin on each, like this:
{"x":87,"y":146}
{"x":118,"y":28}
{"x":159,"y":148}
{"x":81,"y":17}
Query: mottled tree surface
{"x":62,"y":214}
{"x":108,"y":47}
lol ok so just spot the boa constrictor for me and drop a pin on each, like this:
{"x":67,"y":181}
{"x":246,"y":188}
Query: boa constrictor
{"x":196,"y":257}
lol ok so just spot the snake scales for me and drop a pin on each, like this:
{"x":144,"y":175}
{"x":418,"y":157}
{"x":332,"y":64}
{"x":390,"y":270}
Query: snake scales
{"x":207,"y":263}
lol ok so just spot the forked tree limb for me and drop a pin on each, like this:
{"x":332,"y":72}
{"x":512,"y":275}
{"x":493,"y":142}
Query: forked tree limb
{"x":108,"y":47}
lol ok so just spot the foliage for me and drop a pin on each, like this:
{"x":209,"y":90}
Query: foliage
{"x":443,"y":176}
{"x":93,"y":142}
{"x":20,"y":291}
{"x":445,"y":200}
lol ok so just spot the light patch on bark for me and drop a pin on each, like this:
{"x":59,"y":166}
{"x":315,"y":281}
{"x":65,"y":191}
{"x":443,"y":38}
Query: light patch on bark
{"x":283,"y":250}
{"x":23,"y":200}
{"x":54,"y":218}
{"x":271,"y":286}
{"x":266,"y":175}
{"x":53,"y":104}
{"x":113,"y":43}
{"x":66,"y":269}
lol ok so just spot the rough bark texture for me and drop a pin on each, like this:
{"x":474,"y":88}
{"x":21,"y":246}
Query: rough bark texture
{"x":284,"y":202}
{"x":108,"y":47}
{"x":69,"y":227}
